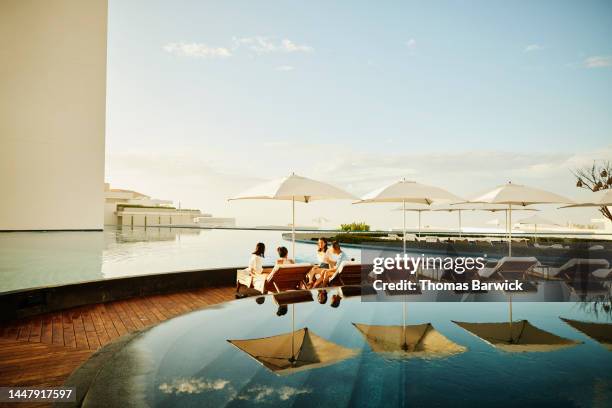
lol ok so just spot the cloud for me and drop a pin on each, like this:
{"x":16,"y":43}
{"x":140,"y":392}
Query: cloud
{"x":285,"y":68}
{"x":533,"y":47}
{"x":261,"y":393}
{"x":598,"y":61}
{"x":264,"y":45}
{"x":192,"y":386}
{"x":196,"y":50}
{"x":411,"y":44}
{"x":205,"y":178}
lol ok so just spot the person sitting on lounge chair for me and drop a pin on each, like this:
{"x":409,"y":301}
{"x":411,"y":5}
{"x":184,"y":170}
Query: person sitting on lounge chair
{"x":283,"y":256}
{"x":323,"y":260}
{"x":338,"y":256}
{"x":254,"y":270}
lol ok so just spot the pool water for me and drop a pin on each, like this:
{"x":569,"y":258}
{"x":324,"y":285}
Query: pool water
{"x":188,"y":361}
{"x":34,"y":259}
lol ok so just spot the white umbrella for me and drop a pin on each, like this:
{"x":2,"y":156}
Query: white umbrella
{"x":459,"y":207}
{"x":601,"y":198}
{"x":536,"y":220}
{"x":404,"y":191}
{"x":320,"y":220}
{"x":516,"y":194}
{"x":294,"y":188}
{"x":418,"y":209}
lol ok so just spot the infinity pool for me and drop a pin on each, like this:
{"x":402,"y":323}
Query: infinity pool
{"x":189,"y":361}
{"x":33,"y":259}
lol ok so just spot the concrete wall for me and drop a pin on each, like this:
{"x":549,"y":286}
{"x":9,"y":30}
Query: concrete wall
{"x":52,"y":114}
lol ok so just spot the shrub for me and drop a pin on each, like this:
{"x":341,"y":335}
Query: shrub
{"x":355,"y":226}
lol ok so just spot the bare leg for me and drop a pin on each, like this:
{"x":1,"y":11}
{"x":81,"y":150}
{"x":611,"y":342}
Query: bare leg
{"x":311,"y":275}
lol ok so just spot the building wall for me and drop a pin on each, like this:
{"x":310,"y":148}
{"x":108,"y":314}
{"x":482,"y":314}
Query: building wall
{"x":52,"y":114}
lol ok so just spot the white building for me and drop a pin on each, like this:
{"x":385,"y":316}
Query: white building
{"x":133,"y":209}
{"x":52,"y":114}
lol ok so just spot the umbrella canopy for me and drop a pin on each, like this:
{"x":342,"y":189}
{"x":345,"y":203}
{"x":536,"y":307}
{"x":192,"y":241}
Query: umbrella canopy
{"x":419,"y":340}
{"x":600,"y":332}
{"x":459,"y":207}
{"x":405,"y":191}
{"x":536,"y":220}
{"x":521,"y":336}
{"x":598,"y":199}
{"x":310,"y":351}
{"x":408,"y":192}
{"x":294,"y":188}
{"x":516,"y":194}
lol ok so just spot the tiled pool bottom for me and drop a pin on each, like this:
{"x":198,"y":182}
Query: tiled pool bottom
{"x":188,"y":361}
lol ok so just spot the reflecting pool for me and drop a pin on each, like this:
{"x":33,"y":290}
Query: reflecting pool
{"x":240,"y":354}
{"x":33,"y":259}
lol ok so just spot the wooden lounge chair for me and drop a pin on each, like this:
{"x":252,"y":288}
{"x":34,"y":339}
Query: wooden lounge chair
{"x":348,"y":273}
{"x":284,"y":277}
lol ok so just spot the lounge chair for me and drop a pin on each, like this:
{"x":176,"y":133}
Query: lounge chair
{"x":602,"y":273}
{"x":283,"y":277}
{"x":574,"y":268}
{"x":509,"y":267}
{"x":348,"y":273}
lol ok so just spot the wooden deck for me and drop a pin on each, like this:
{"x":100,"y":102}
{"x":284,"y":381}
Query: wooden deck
{"x":44,"y":350}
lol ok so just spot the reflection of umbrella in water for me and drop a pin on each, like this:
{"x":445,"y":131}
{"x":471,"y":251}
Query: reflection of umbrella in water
{"x":309,"y":351}
{"x":600,"y":332}
{"x":297,"y":350}
{"x":521,"y":336}
{"x":417,"y":340}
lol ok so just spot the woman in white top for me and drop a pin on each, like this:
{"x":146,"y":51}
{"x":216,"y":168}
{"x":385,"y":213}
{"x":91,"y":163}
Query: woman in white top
{"x":339,"y":257}
{"x":323,"y":253}
{"x":323,"y":260}
{"x":254,"y":270}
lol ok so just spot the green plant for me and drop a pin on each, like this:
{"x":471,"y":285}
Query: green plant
{"x":596,"y":178}
{"x":355,"y":226}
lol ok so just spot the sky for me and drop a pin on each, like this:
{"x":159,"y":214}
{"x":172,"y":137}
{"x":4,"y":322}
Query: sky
{"x":207,"y":98}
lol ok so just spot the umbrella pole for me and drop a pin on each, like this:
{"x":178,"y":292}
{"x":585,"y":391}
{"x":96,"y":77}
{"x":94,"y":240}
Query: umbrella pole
{"x":459,"y":211}
{"x":510,"y":310}
{"x":535,"y":233}
{"x":293,"y":229}
{"x":509,"y":229}
{"x":419,"y":224}
{"x":404,"y":229}
{"x":292,"y":333}
{"x":404,"y":312}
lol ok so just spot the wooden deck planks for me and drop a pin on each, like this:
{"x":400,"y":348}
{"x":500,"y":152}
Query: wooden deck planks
{"x":43,"y":350}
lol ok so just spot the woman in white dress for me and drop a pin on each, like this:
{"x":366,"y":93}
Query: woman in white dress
{"x":255,"y":269}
